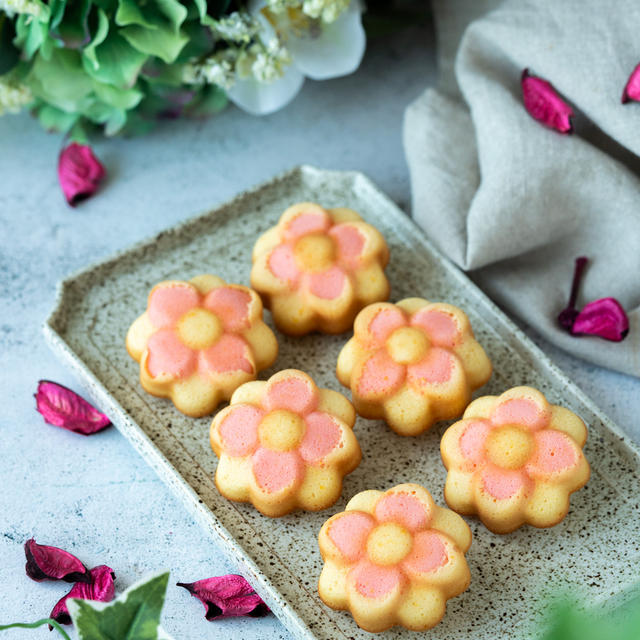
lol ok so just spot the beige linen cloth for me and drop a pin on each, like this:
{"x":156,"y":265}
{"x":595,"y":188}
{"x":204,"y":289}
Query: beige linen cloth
{"x":513,"y":202}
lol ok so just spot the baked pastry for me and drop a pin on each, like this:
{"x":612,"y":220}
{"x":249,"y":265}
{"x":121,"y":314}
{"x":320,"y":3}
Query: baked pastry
{"x":284,"y":444}
{"x":514,"y":459}
{"x":394,"y":558}
{"x":318,"y":267}
{"x":412,"y":363}
{"x":200,"y":340}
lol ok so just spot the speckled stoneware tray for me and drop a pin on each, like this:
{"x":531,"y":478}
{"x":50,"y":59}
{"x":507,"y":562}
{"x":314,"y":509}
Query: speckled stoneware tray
{"x":594,"y":552}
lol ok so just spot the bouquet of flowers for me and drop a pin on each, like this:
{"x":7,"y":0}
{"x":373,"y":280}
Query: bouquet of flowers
{"x":120,"y":64}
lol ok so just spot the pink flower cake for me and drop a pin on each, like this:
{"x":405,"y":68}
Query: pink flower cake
{"x":284,"y":444}
{"x":412,"y":363}
{"x":514,"y":459}
{"x":394,"y":558}
{"x":318,"y":267}
{"x":198,"y":341}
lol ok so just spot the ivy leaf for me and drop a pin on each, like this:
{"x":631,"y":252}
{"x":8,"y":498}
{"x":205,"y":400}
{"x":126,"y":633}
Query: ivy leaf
{"x":134,"y":615}
{"x":154,"y":28}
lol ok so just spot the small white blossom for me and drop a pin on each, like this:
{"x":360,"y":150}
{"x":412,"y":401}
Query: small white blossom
{"x":270,"y":60}
{"x":13,"y":96}
{"x":28,"y":7}
{"x":326,"y":10}
{"x":237,"y":27}
{"x":218,"y":69}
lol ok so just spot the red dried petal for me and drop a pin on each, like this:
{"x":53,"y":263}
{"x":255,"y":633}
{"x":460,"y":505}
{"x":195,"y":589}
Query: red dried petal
{"x":65,"y":408}
{"x":226,"y":597}
{"x":51,"y":563}
{"x":79,"y":172}
{"x":544,"y":104}
{"x":101,"y":588}
{"x":604,"y":318}
{"x":632,"y":88}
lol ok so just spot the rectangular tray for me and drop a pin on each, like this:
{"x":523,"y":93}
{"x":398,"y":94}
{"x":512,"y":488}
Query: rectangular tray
{"x":593,"y":553}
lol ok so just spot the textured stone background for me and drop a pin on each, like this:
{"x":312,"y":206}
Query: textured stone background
{"x":96,"y":496}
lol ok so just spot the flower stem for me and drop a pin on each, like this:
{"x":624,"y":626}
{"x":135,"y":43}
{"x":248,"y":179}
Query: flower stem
{"x":37,"y":623}
{"x":581,"y":263}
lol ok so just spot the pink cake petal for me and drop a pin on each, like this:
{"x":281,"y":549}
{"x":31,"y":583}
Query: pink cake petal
{"x":275,"y":470}
{"x":239,"y":430}
{"x":403,"y":508}
{"x":305,"y":223}
{"x":441,"y":328}
{"x":168,"y":303}
{"x":503,"y":483}
{"x":380,"y":375}
{"x":350,"y":242}
{"x":632,"y":88}
{"x":321,"y":437}
{"x":230,"y":353}
{"x":282,"y":263}
{"x":385,"y":322}
{"x":544,"y":104}
{"x":329,"y":284}
{"x":427,"y":554}
{"x":294,"y":394}
{"x":349,"y":532}
{"x":472,"y":441}
{"x":435,"y":368}
{"x":231,"y":305}
{"x":168,"y":356}
{"x":520,"y":411}
{"x":555,"y":452}
{"x":374,"y":581}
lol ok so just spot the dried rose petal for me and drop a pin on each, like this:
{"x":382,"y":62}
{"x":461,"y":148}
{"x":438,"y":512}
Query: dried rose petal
{"x":604,"y":318}
{"x":65,"y":408}
{"x":226,"y":597}
{"x":101,"y":588}
{"x":544,"y":104}
{"x":79,"y":172}
{"x":51,"y":563}
{"x":632,"y":88}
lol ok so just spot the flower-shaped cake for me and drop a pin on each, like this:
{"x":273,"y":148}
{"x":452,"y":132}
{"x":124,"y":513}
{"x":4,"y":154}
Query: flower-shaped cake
{"x":200,"y":340}
{"x":412,"y":363}
{"x":394,"y":558}
{"x":514,"y":459}
{"x":318,"y":267}
{"x":284,"y":444}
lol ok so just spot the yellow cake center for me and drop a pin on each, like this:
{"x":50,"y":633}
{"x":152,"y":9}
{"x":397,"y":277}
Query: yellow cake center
{"x":199,"y":329}
{"x":281,"y":430}
{"x":407,"y":345}
{"x":315,"y":252}
{"x":388,"y":543}
{"x":509,"y":447}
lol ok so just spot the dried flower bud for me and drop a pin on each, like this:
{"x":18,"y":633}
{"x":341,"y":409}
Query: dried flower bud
{"x":544,"y":104}
{"x":65,"y":408}
{"x":604,"y":318}
{"x":632,"y":88}
{"x":226,"y":597}
{"x":100,"y":588}
{"x":51,"y":563}
{"x":79,"y":172}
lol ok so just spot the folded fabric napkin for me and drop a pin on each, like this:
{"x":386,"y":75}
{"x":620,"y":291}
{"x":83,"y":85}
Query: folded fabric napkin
{"x":513,"y":201}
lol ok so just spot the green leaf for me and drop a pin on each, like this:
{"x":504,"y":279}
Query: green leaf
{"x":74,"y":28}
{"x":30,"y":34}
{"x":53,"y":119}
{"x":134,"y":615}
{"x":118,"y":62}
{"x":119,"y":98}
{"x":210,"y":100}
{"x":61,"y":80}
{"x":9,"y":55}
{"x":99,"y":37}
{"x":154,"y":28}
{"x":200,"y":42}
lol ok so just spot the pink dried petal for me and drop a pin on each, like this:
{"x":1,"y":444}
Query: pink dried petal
{"x":79,"y":172}
{"x":632,"y":88}
{"x":604,"y":318}
{"x":51,"y":563}
{"x":65,"y":408}
{"x":226,"y":597}
{"x":544,"y":104}
{"x":101,"y":589}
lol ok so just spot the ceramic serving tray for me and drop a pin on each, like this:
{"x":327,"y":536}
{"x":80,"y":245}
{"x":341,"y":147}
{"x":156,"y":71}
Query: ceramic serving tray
{"x":593,"y":553}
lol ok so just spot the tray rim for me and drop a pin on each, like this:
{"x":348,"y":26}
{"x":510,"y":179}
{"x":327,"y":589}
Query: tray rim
{"x":187,"y":495}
